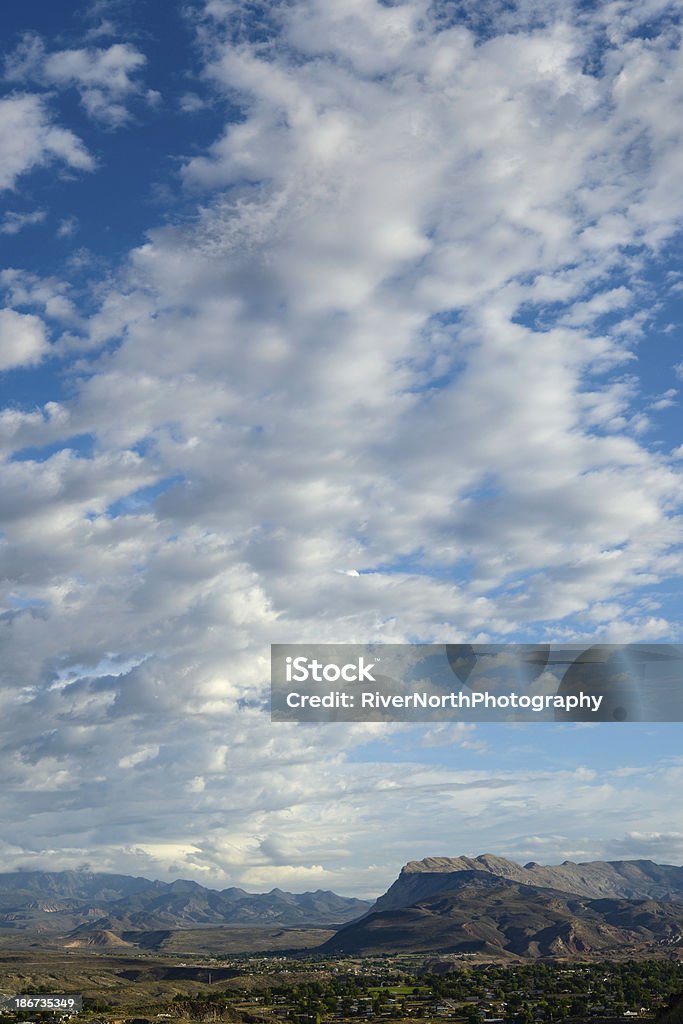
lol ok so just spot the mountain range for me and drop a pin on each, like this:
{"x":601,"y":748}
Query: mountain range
{"x":80,"y":901}
{"x":495,"y":907}
{"x":486,"y":906}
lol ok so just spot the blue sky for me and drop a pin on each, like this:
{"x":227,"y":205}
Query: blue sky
{"x":331,"y":323}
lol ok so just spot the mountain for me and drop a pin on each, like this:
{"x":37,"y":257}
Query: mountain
{"x":635,"y":879}
{"x":87,"y":903}
{"x":67,"y":886}
{"x":180,"y":908}
{"x":483,"y":905}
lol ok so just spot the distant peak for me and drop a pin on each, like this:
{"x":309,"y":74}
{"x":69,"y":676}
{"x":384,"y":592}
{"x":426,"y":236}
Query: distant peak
{"x":488,"y":861}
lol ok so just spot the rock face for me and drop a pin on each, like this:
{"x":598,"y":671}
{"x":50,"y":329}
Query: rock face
{"x":493,"y":906}
{"x":636,"y":879}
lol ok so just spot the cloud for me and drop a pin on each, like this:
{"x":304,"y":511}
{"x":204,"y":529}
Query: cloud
{"x":14,"y":222}
{"x":397,"y":334}
{"x":665,"y":400}
{"x":22,"y":339}
{"x":105,"y":77}
{"x":309,"y":827}
{"x":190,"y":103}
{"x":102,"y":76}
{"x":49,"y":296}
{"x":659,"y":846}
{"x":67,"y":227}
{"x":29,"y":139}
{"x":375,"y":207}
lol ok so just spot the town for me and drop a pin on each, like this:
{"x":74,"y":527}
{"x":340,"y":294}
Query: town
{"x":315,"y":990}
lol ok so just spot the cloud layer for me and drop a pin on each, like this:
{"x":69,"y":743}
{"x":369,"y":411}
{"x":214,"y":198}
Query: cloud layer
{"x":383,"y":384}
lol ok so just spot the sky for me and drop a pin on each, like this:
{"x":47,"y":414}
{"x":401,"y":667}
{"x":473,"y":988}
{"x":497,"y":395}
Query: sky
{"x":331,"y":322}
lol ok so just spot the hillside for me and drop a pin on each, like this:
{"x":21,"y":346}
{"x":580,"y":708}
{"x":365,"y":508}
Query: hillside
{"x":499,"y":917}
{"x":480,"y":905}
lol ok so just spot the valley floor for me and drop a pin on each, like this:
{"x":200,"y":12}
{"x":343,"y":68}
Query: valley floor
{"x":309,"y":989}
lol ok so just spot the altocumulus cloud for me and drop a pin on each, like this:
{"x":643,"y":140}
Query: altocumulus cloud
{"x":398,"y":333}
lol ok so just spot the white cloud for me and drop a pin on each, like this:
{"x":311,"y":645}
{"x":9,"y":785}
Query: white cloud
{"x":665,"y":400}
{"x":13,"y":222}
{"x":50,"y":295}
{"x":190,"y":103}
{"x":105,"y":77}
{"x":387,"y":342}
{"x":600,"y":304}
{"x":304,"y":820}
{"x":26,"y":58}
{"x":29,"y":139}
{"x":22,"y":339}
{"x":67,"y":227}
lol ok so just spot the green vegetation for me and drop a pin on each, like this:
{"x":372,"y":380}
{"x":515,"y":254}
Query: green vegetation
{"x":327,"y":990}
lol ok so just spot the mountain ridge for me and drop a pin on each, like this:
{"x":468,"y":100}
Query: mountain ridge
{"x":627,"y":879}
{"x":496,"y":907}
{"x":84,"y":902}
